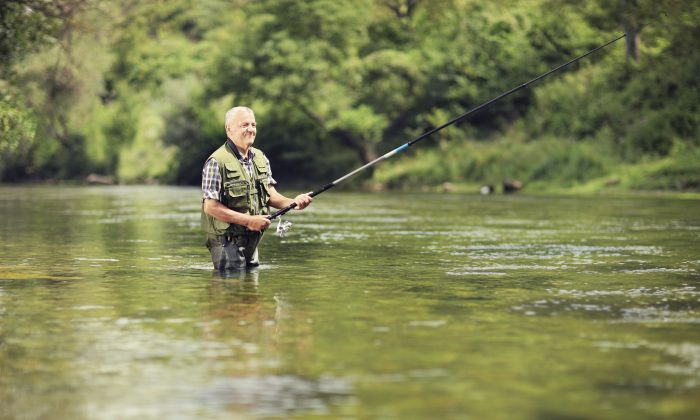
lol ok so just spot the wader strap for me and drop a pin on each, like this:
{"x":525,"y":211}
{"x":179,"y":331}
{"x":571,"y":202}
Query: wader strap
{"x":238,"y":240}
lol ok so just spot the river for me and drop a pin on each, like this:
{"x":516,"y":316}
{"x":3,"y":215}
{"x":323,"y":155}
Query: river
{"x":374,"y":305}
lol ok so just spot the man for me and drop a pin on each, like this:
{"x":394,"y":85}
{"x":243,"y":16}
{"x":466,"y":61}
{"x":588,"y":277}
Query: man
{"x":238,"y":190}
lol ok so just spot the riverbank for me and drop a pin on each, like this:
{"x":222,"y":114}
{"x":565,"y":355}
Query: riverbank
{"x":541,"y":190}
{"x":535,"y":189}
{"x":549,"y":166}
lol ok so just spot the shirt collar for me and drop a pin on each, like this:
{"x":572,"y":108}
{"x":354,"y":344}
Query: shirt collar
{"x":232,"y":146}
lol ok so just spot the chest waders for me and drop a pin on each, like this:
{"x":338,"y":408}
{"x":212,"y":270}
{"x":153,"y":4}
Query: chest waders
{"x":234,"y":246}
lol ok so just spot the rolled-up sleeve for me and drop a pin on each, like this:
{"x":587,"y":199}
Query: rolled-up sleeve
{"x":211,"y":180}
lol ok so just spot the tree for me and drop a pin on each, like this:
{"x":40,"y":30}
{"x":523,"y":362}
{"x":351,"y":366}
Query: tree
{"x":26,"y":27}
{"x":368,"y":75}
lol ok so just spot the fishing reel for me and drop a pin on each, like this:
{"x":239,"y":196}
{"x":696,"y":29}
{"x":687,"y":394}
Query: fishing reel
{"x":282,"y":227}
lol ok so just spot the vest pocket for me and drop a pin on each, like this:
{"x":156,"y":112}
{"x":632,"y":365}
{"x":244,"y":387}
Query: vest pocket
{"x":262,"y":166}
{"x":237,"y":195}
{"x":220,"y":226}
{"x":236,"y":188}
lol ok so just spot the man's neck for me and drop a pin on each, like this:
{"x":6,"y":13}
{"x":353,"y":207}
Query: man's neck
{"x":243,"y":151}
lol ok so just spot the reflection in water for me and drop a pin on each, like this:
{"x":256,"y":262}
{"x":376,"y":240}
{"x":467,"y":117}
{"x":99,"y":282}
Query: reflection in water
{"x":238,"y":305}
{"x":276,"y":395}
{"x":234,"y":295}
{"x":371,"y":307}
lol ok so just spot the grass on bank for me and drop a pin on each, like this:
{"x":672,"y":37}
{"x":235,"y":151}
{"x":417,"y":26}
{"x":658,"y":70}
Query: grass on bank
{"x":548,"y":165}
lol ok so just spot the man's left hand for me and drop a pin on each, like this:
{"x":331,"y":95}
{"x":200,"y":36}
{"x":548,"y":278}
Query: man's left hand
{"x":303,"y":201}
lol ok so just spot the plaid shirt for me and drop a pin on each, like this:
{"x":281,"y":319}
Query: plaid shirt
{"x":211,"y":176}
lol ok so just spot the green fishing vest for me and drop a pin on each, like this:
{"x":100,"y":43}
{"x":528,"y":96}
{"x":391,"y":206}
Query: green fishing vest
{"x":239,"y":191}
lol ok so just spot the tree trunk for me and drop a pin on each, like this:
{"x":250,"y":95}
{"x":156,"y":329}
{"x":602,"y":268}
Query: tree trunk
{"x":364,"y":151}
{"x":632,"y":40}
{"x":632,"y":31}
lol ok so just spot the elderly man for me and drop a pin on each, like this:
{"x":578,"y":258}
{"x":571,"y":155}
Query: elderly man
{"x":238,"y":190}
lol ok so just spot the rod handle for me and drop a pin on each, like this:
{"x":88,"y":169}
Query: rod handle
{"x":280,"y":212}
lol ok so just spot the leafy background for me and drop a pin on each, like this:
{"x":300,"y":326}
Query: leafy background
{"x":137,"y":90}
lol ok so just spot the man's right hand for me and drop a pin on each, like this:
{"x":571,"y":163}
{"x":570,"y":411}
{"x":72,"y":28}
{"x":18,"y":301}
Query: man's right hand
{"x":258,"y":223}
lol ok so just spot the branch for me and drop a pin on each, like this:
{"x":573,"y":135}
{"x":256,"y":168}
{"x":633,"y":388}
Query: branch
{"x":346,"y":137}
{"x":402,"y":8}
{"x":557,"y":46}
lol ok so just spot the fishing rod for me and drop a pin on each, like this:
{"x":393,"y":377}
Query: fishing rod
{"x":406,"y":145}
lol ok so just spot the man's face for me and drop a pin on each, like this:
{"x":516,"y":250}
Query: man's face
{"x":242,"y":129}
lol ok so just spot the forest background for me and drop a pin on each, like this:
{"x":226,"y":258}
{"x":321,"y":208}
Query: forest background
{"x":136,"y":90}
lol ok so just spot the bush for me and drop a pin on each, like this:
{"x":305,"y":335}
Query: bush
{"x":550,"y":161}
{"x":680,"y":172}
{"x":17,"y":136}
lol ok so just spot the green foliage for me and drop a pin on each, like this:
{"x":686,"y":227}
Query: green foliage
{"x":680,"y":172}
{"x":25,"y":26}
{"x":139,"y":89}
{"x":193,"y":130}
{"x":548,"y":161}
{"x":17,"y":130}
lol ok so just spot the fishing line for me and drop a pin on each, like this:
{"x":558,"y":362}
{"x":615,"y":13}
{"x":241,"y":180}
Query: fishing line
{"x":283,"y":227}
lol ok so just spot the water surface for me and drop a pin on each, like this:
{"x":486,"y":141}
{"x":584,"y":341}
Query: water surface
{"x":373,"y":306}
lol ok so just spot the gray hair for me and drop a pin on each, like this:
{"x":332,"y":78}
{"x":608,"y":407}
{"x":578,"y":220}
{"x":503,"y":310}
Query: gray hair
{"x":233,"y":111}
